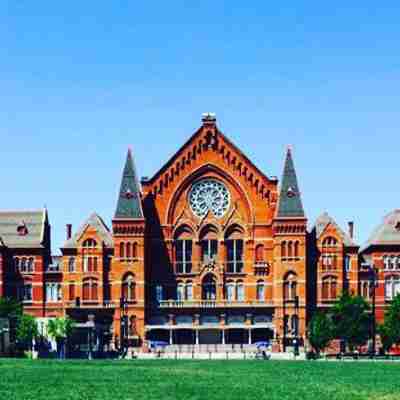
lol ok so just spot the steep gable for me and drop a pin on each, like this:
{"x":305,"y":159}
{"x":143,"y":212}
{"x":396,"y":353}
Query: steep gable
{"x":208,"y":138}
{"x":97,"y":223}
{"x":324,"y":221}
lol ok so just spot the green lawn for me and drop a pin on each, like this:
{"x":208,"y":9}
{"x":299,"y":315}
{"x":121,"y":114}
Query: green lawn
{"x":134,"y":380}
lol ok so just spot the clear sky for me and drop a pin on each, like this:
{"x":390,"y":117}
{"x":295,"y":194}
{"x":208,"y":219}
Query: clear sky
{"x":80,"y":81}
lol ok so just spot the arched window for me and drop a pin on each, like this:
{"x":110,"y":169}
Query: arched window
{"x":71,"y":291}
{"x":90,"y":290}
{"x":209,"y":244}
{"x":128,"y":250}
{"x":290,"y":249}
{"x":235,"y":250}
{"x":295,"y":325}
{"x":16,"y":263}
{"x":259,"y":254}
{"x":129,"y":288}
{"x":122,"y":250}
{"x":329,"y":242}
{"x":240,"y":293}
{"x":89,"y":264}
{"x":290,"y":287}
{"x":189,"y":291}
{"x":284,"y":249}
{"x":94,"y":264}
{"x":209,"y":288}
{"x":296,"y":250}
{"x":180,"y":293}
{"x":183,"y":250}
{"x":329,"y":288}
{"x":23,"y":267}
{"x":230,"y":291}
{"x":260,"y":291}
{"x":134,"y":250}
{"x":365,"y":289}
{"x":31,"y":264}
{"x":392,"y":287}
{"x":89,"y":243}
{"x":71,"y":264}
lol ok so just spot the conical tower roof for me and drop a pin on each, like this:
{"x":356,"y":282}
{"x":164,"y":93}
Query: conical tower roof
{"x":290,"y":204}
{"x":129,"y":204}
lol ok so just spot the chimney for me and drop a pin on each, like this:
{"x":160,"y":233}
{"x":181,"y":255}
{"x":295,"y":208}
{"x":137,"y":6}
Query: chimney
{"x":69,"y":231}
{"x":351,"y":229}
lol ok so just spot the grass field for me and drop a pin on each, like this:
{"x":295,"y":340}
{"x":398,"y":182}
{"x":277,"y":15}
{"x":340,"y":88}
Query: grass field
{"x":135,"y":380}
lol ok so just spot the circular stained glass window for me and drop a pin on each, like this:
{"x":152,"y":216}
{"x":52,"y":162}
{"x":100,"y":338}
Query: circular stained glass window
{"x":209,"y":195}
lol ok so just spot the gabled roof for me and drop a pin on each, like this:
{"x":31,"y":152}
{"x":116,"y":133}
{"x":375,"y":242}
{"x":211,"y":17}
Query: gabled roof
{"x":98,"y":224}
{"x":129,"y":204}
{"x":33,"y":222}
{"x":322,"y":223}
{"x":289,"y":204}
{"x":387,"y":233}
{"x":209,"y":121}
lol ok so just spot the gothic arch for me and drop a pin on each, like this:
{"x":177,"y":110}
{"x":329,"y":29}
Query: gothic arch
{"x":199,"y":173}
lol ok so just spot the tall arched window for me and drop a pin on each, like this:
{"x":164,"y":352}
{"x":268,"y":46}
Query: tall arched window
{"x":290,"y":287}
{"x":183,"y":250}
{"x":16,"y":263}
{"x":128,"y":250}
{"x":259,"y":254}
{"x":90,"y":290}
{"x":392,"y":287}
{"x":284,"y":249}
{"x":189,"y":291}
{"x":296,"y":250}
{"x":134,"y":250}
{"x":71,"y":264}
{"x":180,"y":292}
{"x":71,"y":291}
{"x":290,"y":249}
{"x":209,"y":287}
{"x":129,"y":288}
{"x":240,"y":291}
{"x":122,"y":250}
{"x":230,"y":291}
{"x":329,"y":288}
{"x":31,"y":264}
{"x":209,"y":244}
{"x":260,"y":291}
{"x":235,"y":250}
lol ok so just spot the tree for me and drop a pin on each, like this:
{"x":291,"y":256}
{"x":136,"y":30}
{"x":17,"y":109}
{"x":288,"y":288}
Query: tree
{"x":27,"y":331}
{"x":60,"y":329}
{"x":352,"y":320}
{"x":10,"y":308}
{"x":320,"y":331}
{"x":390,"y":330}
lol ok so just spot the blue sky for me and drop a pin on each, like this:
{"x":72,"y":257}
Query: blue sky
{"x":81,"y":81}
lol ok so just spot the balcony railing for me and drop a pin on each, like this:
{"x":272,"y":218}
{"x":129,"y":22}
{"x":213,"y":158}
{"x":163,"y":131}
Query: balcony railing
{"x":212,"y":304}
{"x":92,"y":304}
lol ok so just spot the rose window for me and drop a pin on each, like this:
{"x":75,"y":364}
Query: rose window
{"x":209,"y":195}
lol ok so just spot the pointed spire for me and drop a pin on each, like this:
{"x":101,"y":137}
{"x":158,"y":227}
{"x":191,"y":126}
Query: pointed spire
{"x":129,"y":202}
{"x":290,"y":204}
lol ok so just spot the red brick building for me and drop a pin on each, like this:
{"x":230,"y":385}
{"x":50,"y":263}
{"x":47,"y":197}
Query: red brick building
{"x":208,"y":250}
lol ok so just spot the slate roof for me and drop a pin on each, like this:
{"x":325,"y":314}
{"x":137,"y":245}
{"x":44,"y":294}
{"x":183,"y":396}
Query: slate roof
{"x":96,"y":222}
{"x":129,"y":204}
{"x":289,"y":204}
{"x":387,"y":233}
{"x":35,"y":222}
{"x":323,"y":221}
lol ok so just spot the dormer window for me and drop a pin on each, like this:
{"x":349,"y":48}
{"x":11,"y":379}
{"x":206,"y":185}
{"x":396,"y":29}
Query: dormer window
{"x":22,"y":230}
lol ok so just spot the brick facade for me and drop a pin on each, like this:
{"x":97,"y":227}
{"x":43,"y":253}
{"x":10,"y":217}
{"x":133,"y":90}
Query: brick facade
{"x":242,"y":267}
